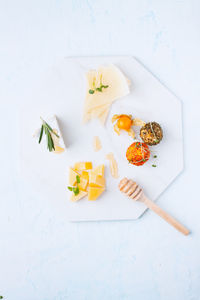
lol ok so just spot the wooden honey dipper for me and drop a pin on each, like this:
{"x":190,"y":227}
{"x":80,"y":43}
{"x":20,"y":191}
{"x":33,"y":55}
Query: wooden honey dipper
{"x":133,"y":191}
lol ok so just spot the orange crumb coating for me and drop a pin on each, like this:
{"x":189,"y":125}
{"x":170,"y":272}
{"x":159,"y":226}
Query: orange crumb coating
{"x":138,"y":153}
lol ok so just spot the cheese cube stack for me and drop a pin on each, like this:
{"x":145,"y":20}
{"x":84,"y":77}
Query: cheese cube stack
{"x":94,"y":178}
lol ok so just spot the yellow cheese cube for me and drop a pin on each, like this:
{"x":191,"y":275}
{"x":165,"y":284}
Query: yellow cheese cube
{"x":94,"y":192}
{"x":96,"y":180}
{"x":72,"y":176}
{"x":80,"y":166}
{"x":99,"y":170}
{"x":83,"y":183}
{"x":85,"y":175}
{"x":81,"y":194}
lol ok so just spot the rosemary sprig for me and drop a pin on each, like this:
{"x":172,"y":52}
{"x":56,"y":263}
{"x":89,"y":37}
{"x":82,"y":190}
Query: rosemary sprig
{"x":75,"y":189}
{"x":48,"y":131}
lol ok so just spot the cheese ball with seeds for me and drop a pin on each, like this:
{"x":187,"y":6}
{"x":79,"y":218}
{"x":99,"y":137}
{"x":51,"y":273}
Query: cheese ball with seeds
{"x":151,"y":133}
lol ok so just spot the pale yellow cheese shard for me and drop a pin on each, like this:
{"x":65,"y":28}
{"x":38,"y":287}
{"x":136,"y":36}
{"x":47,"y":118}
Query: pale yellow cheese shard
{"x":72,"y":176}
{"x":96,"y":180}
{"x":117,"y":87}
{"x":80,"y":195}
{"x":80,"y":166}
{"x":96,"y":143}
{"x":99,"y":170}
{"x":94,"y":193}
{"x":113,"y":165}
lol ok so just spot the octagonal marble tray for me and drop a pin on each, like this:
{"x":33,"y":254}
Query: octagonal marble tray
{"x":62,"y":93}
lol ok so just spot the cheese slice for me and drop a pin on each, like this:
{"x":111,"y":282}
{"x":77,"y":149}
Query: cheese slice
{"x":103,"y":116}
{"x":83,"y":183}
{"x":97,"y":105}
{"x":85,"y":175}
{"x":72,"y":176}
{"x":81,"y":195}
{"x":81,"y":166}
{"x":94,"y":192}
{"x":96,"y":180}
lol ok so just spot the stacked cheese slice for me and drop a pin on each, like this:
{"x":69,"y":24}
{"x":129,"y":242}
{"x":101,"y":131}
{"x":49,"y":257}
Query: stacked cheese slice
{"x":97,"y":105}
{"x":92,"y":181}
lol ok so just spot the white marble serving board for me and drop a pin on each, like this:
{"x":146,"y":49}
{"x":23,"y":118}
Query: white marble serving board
{"x":62,"y":93}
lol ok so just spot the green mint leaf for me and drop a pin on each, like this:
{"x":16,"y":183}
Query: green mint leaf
{"x":99,"y":89}
{"x":155,"y":156}
{"x":91,"y":91}
{"x":76,"y":190}
{"x":69,"y":188}
{"x":154,"y":166}
{"x":78,"y":180}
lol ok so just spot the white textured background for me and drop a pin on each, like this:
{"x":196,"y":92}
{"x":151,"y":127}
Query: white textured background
{"x":42,"y":257}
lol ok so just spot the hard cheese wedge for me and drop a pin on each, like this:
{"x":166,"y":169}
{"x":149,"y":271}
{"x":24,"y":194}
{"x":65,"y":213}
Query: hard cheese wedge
{"x":94,"y":192}
{"x":97,"y":105}
{"x":81,"y":166}
{"x":72,"y":176}
{"x":96,"y":180}
{"x":78,"y":197}
{"x":83,"y":183}
{"x":85,"y":175}
{"x":99,"y":170}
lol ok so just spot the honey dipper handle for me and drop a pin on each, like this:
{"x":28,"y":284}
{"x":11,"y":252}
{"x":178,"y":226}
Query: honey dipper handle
{"x":159,"y":211}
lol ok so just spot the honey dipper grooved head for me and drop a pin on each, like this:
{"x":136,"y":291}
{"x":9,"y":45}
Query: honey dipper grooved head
{"x":130,"y":189}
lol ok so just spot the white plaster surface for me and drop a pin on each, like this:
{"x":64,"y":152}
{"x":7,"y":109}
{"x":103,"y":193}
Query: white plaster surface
{"x":42,"y":256}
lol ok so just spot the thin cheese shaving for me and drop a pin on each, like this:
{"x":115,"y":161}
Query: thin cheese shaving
{"x":113,"y":165}
{"x":96,"y":144}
